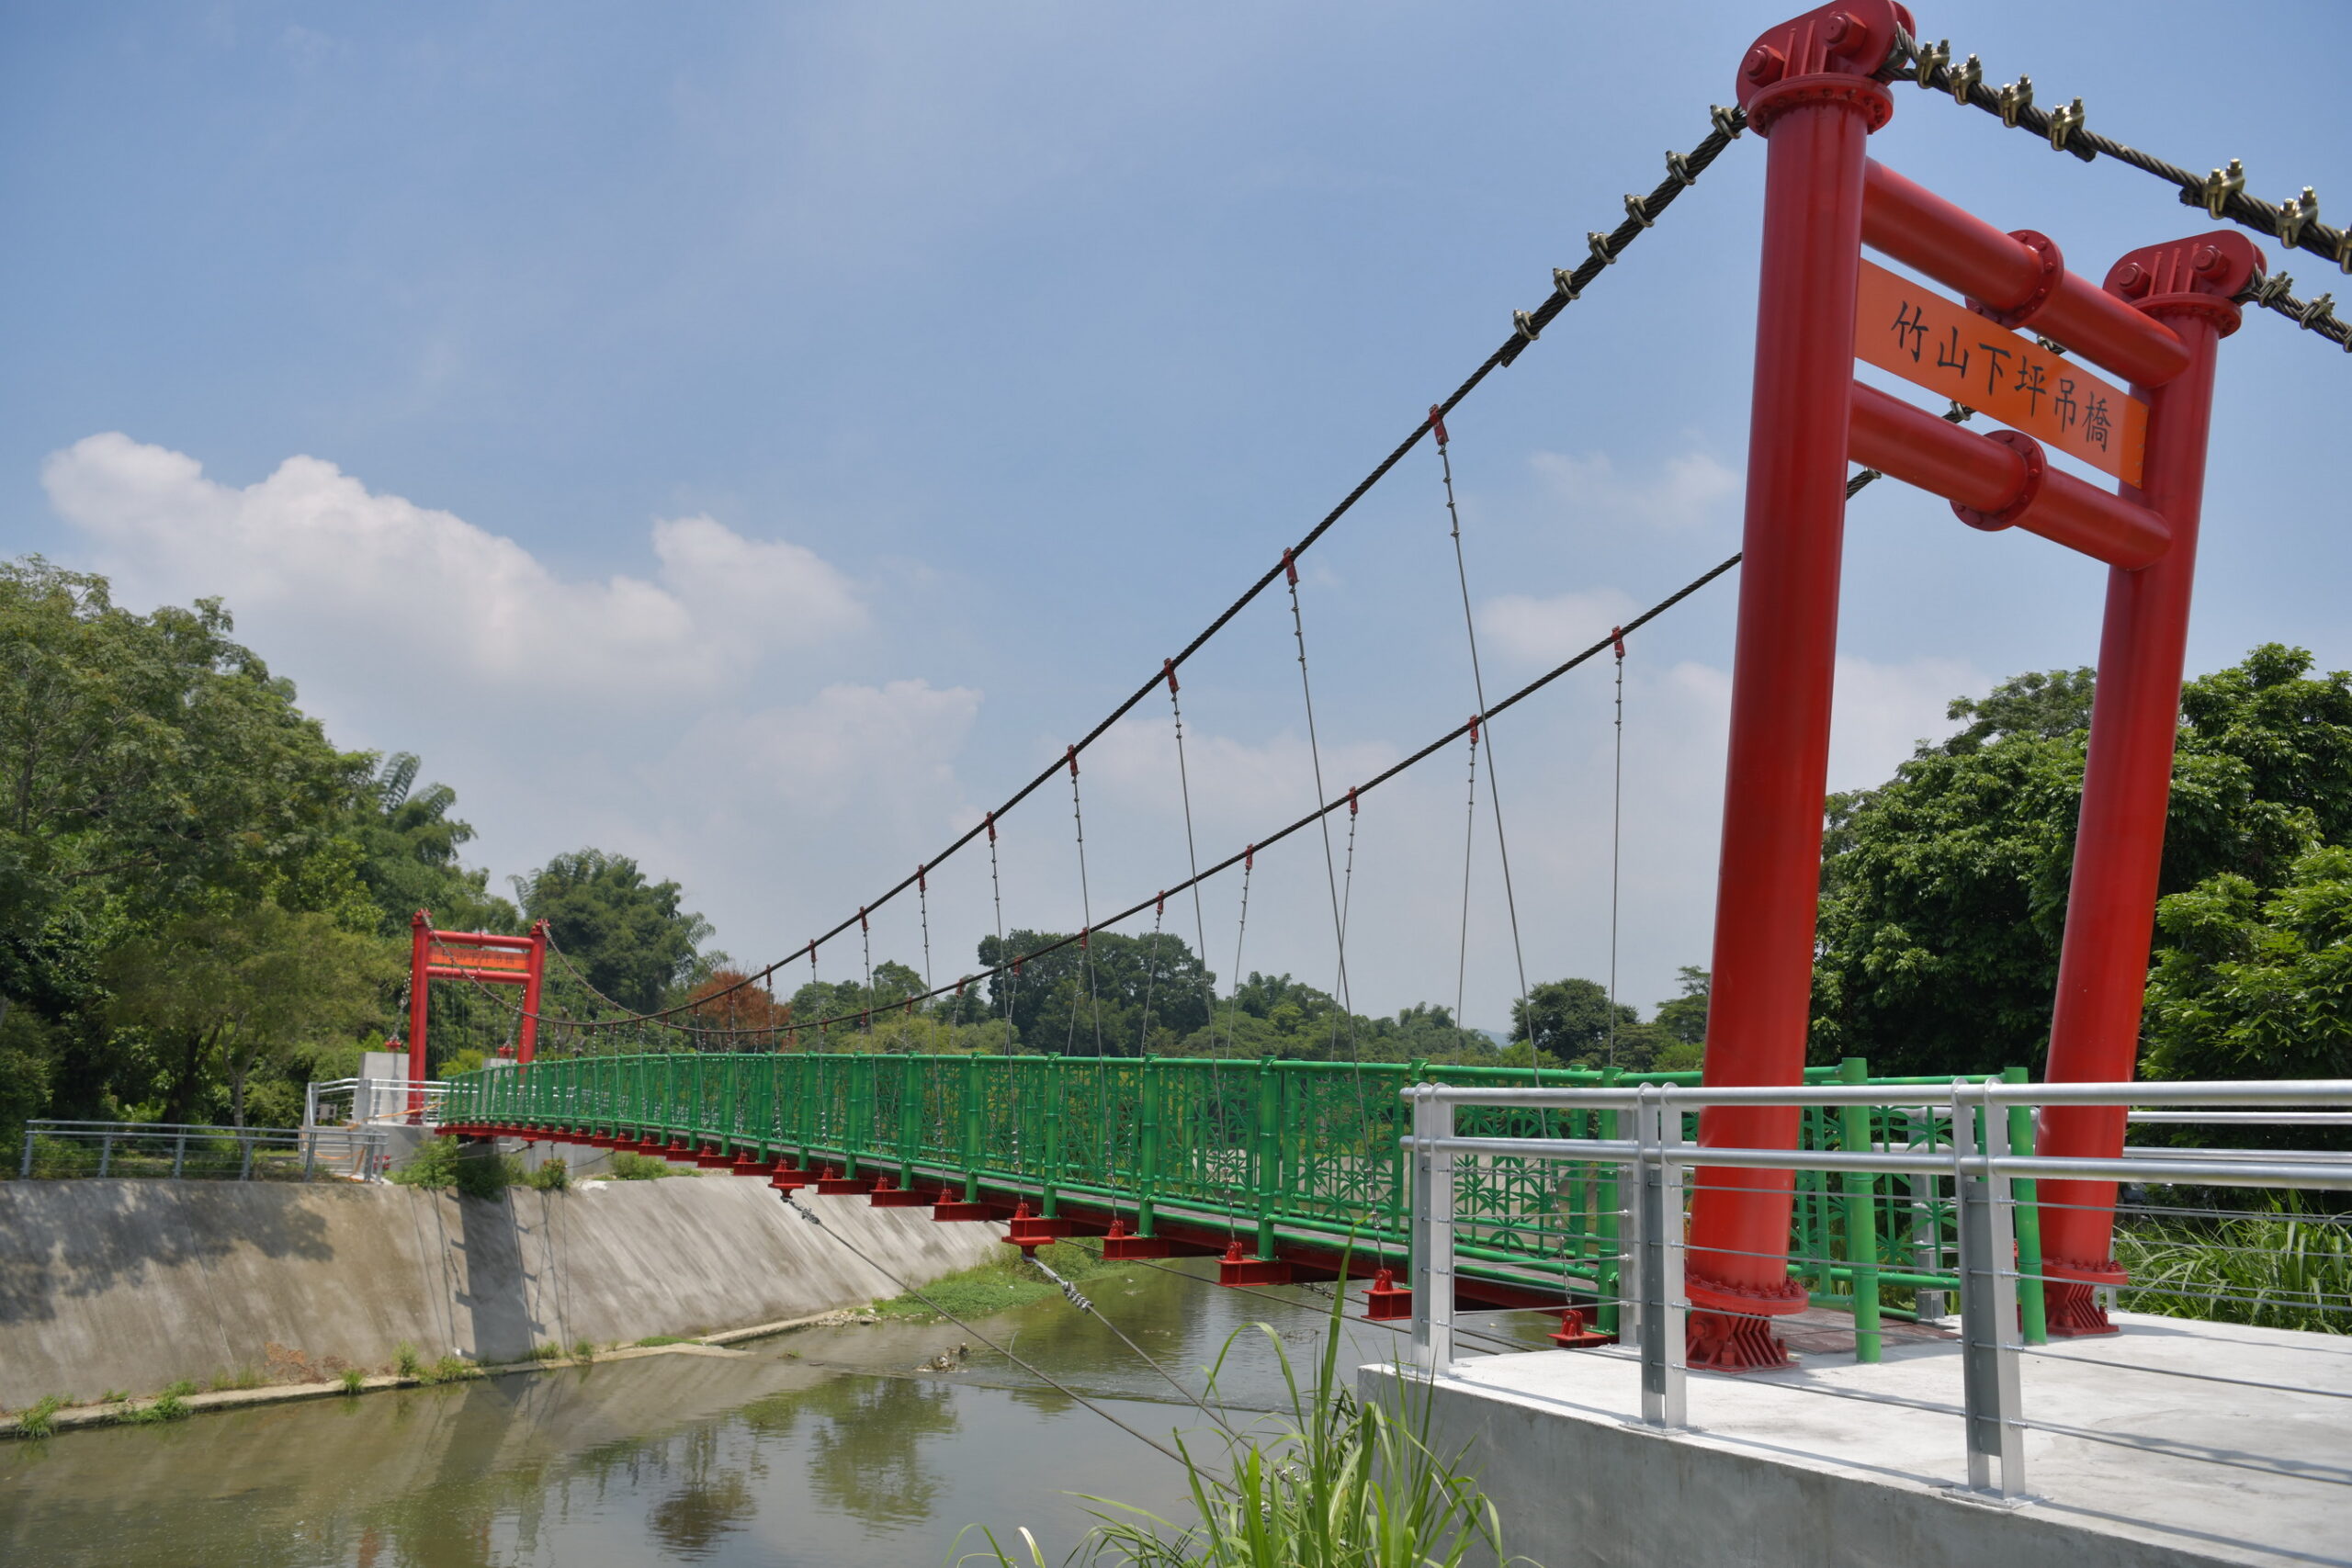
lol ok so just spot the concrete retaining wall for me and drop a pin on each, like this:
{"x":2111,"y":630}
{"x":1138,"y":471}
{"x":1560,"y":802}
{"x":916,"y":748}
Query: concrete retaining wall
{"x":130,"y":1285}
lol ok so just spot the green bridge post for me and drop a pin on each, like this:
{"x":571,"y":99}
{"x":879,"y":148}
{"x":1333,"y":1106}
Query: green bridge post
{"x":971,"y":1129}
{"x":1055,"y":1088}
{"x":1862,"y":1217}
{"x":1146,"y":1208}
{"x":2031,"y":1312}
{"x":1267,"y":1161}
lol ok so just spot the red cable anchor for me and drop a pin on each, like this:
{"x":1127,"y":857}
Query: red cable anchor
{"x":1290,"y":568}
{"x":861,"y":917}
{"x":921,"y":886}
{"x":991,"y":821}
{"x":1351,"y":800}
{"x":1071,"y":758}
{"x":1473,"y":729}
{"x":1617,"y":637}
{"x":1437,"y":421}
{"x":1249,"y":858}
{"x":1168,"y":668}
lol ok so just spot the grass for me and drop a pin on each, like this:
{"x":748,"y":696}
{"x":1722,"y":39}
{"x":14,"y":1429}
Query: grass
{"x":547,"y":1352}
{"x":406,"y":1362}
{"x":354,"y":1379}
{"x":1338,"y":1483}
{"x":629,"y":1165}
{"x":2287,"y":1269}
{"x":168,"y":1407}
{"x":113,"y":1397}
{"x":1007,"y":1282}
{"x":655,"y":1341}
{"x":583,"y":1351}
{"x":243,"y":1377}
{"x":179,"y":1390}
{"x":553,"y":1175}
{"x":39,"y":1420}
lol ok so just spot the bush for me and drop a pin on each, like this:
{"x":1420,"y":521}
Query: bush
{"x":553,"y":1175}
{"x":168,"y":1407}
{"x":584,"y":1350}
{"x":655,"y":1341}
{"x":404,"y":1361}
{"x":2283,"y":1269}
{"x":476,"y":1172}
{"x":37,"y":1422}
{"x":547,"y":1352}
{"x":354,"y":1379}
{"x":629,"y":1165}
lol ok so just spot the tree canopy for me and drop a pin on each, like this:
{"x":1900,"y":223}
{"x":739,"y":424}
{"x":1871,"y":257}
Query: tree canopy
{"x":1944,"y":890}
{"x":628,"y":937}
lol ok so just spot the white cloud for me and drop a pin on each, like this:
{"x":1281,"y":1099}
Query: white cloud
{"x":322,"y":565}
{"x":1546,"y":631}
{"x":1884,"y":711}
{"x":848,"y":747}
{"x":1693,"y":489}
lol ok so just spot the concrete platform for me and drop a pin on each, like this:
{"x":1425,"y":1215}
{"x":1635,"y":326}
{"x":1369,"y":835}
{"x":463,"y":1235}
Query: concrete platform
{"x":2173,"y":1443}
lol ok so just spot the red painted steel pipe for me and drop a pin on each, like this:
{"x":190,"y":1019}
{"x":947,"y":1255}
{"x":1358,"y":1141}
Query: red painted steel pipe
{"x":1807,"y":88}
{"x":1989,"y":476}
{"x":2119,"y":850}
{"x":528,"y":1038}
{"x":482,"y":938}
{"x":419,"y":989}
{"x":1920,"y":229}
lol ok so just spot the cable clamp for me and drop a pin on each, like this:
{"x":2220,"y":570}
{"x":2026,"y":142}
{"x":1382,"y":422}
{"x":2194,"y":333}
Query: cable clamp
{"x":1525,"y":325}
{"x":1677,"y":169}
{"x":1071,"y":757}
{"x":2064,"y":123}
{"x":1564,"y":283}
{"x":921,"y":886}
{"x":1928,"y":58}
{"x":2342,"y":248}
{"x":1728,"y":122}
{"x":2220,"y":185}
{"x":1290,"y":567}
{"x":861,"y":917}
{"x":1437,"y":422}
{"x":992,"y":822}
{"x":2016,"y":97}
{"x":2295,"y":214}
{"x":1160,"y":907}
{"x":1474,"y":731}
{"x":1351,"y":800}
{"x":1966,"y":80}
{"x":1249,"y":858}
{"x":2316,"y":312}
{"x":1638,"y":210}
{"x":1168,"y":668}
{"x":1598,"y":243}
{"x":1617,"y":641}
{"x":2267,"y":291}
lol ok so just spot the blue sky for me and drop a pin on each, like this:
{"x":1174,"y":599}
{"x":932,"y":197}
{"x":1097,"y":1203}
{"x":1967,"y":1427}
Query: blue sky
{"x":755,"y":438}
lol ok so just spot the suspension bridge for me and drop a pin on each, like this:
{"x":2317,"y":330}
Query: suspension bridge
{"x":1293,"y":1170}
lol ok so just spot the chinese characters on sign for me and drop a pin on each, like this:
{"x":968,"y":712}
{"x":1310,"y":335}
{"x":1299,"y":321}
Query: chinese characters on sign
{"x":1904,"y":327}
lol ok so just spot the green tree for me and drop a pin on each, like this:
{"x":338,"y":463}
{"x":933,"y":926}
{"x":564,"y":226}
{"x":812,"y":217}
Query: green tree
{"x":1570,"y":1018}
{"x":408,"y":846}
{"x":2249,"y":986}
{"x":626,"y":936}
{"x":1944,"y":890}
{"x":238,"y":990}
{"x":1111,"y":989}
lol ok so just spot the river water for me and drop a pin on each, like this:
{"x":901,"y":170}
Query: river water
{"x":821,"y":1447}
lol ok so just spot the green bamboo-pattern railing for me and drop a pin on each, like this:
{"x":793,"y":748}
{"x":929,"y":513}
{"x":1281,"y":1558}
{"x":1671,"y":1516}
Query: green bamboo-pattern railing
{"x":1256,"y":1149}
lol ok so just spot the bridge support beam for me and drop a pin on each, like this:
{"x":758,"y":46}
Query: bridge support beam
{"x":1807,"y":88}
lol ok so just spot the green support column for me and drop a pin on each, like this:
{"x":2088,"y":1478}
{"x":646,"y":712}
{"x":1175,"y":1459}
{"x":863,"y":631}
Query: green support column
{"x":911,"y":1081}
{"x":1268,"y":1154}
{"x":2028,"y":1213}
{"x":1861,"y":1216}
{"x":1608,"y":1273}
{"x":1056,"y":1085}
{"x":1148,"y":1151}
{"x":971,"y":1129}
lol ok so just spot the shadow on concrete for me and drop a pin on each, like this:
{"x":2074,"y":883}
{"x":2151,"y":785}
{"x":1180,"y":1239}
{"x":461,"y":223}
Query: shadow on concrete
{"x":62,"y":1240}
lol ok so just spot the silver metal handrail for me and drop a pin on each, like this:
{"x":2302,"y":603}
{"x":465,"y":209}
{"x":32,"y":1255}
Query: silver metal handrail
{"x":1659,"y":1161}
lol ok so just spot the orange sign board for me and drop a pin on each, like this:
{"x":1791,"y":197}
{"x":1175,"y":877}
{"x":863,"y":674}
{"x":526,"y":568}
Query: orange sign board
{"x":483,"y":960}
{"x":1904,"y":327}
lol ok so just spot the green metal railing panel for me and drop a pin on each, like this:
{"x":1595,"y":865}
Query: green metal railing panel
{"x":1256,"y":1148}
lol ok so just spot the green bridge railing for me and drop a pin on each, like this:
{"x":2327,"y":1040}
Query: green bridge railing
{"x":1263,"y":1151}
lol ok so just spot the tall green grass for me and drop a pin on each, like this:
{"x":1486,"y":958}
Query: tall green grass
{"x":1338,"y":1483}
{"x":2287,"y":1269}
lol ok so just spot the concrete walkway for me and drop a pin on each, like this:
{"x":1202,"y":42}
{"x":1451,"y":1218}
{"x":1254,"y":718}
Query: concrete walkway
{"x":2173,"y":1443}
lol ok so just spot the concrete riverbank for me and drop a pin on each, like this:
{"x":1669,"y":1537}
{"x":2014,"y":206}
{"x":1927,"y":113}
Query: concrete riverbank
{"x":131,"y":1286}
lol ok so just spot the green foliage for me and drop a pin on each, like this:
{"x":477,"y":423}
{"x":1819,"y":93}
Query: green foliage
{"x":1001,"y":1283}
{"x":476,"y":1170}
{"x":1069,"y":997}
{"x":629,"y":1165}
{"x":1944,"y":890}
{"x":547,"y":1352}
{"x":448,"y":1369}
{"x":551,"y":1175}
{"x":583,"y":1351}
{"x":1341,"y":1485}
{"x":655,"y":1341}
{"x":408,"y":854}
{"x":179,"y":1390}
{"x":406,"y":1362}
{"x":354,"y":1379}
{"x":2283,"y":1269}
{"x":2253,"y":987}
{"x":39,"y":1420}
{"x":626,"y":936}
{"x":165,"y":1406}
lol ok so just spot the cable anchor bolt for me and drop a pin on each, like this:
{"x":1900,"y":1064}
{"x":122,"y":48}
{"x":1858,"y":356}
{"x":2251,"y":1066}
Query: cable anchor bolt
{"x":1638,"y":210}
{"x":1598,"y":244}
{"x":2016,"y":98}
{"x":1564,"y":283}
{"x":1928,"y":58}
{"x":2296,"y":214}
{"x":1728,"y":122}
{"x":1966,"y":80}
{"x":1523,"y":325}
{"x":2063,"y":123}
